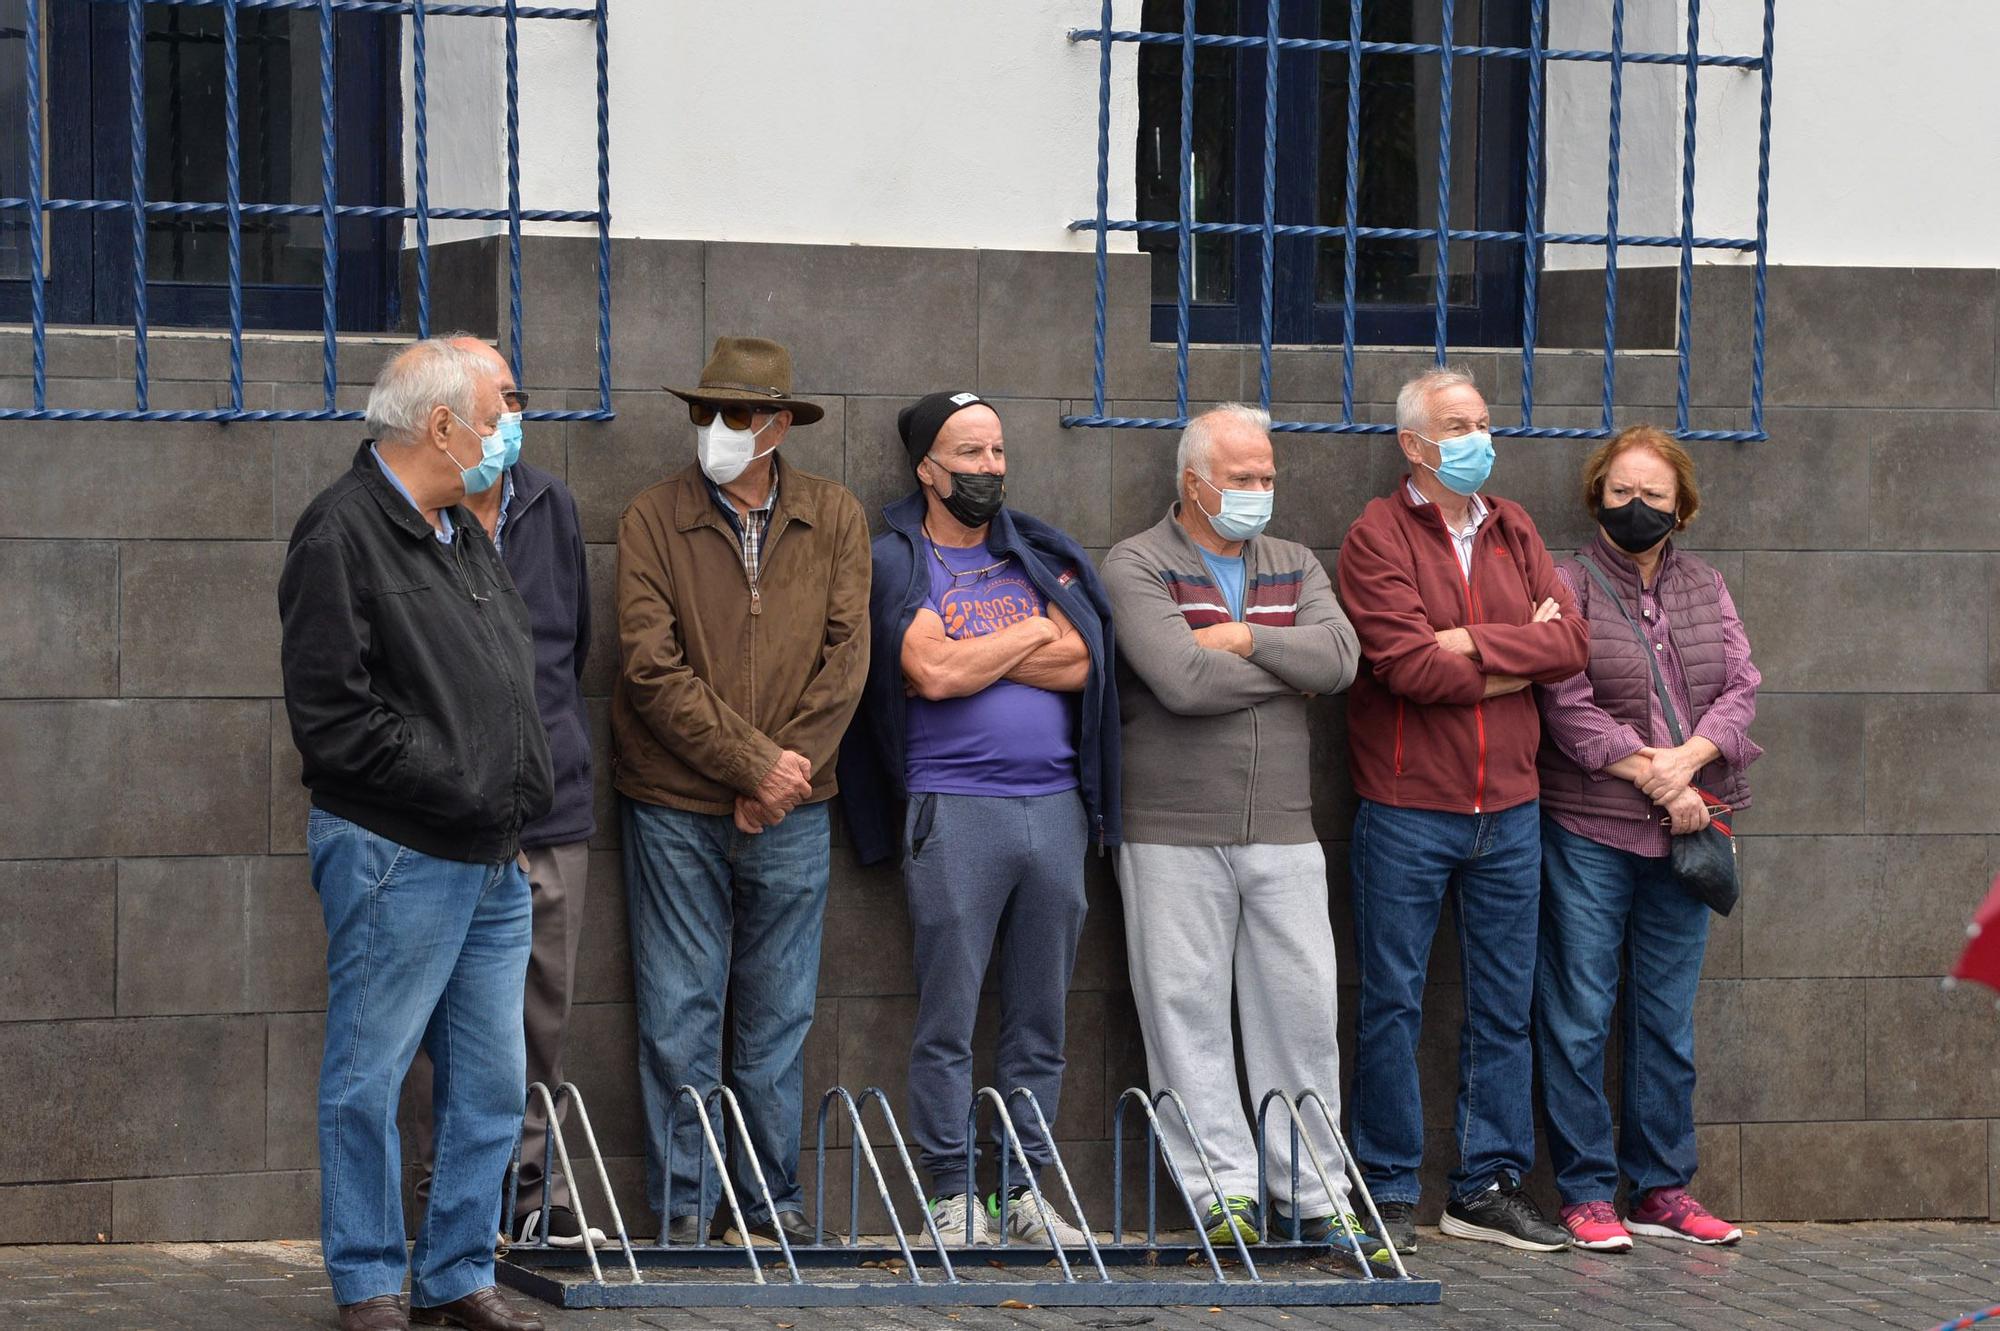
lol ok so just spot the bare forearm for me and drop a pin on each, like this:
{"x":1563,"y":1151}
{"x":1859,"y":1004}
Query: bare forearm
{"x":1061,"y":666}
{"x":1703,"y":750}
{"x":959,"y":668}
{"x":1633,"y":767}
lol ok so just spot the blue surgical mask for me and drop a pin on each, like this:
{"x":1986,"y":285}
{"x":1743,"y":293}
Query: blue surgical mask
{"x":485,"y":473}
{"x":1243,"y":513}
{"x":1464,"y":461}
{"x":510,"y":435}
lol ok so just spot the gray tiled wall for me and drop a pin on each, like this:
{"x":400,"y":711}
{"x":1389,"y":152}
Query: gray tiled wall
{"x":160,"y":971}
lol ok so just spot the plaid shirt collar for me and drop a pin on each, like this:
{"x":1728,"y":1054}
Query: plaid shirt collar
{"x":751,"y":526}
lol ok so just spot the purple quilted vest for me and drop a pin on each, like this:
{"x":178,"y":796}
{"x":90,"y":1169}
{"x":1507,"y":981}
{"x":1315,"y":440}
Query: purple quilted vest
{"x":1621,"y":681}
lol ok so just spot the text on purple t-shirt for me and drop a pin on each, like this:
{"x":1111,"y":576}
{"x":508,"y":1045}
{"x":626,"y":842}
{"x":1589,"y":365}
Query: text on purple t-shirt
{"x":1009,"y":738}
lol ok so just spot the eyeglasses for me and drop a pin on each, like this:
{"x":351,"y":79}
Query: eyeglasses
{"x":736,"y":418}
{"x":515,"y":399}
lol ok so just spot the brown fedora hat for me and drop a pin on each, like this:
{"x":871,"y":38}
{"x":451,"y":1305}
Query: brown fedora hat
{"x":751,"y":370}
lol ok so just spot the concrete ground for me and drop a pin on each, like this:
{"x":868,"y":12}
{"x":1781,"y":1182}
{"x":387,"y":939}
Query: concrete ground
{"x":1912,"y":1276}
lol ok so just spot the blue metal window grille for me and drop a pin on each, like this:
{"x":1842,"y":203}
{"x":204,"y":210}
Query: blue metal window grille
{"x":1537,"y":53}
{"x":37,"y":204}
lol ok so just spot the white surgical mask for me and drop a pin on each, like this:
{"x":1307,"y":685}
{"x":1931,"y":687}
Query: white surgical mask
{"x":724,"y":452}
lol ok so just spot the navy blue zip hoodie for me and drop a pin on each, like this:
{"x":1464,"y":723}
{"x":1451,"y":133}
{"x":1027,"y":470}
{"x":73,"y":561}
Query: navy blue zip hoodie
{"x":541,"y":543}
{"x":873,"y":757}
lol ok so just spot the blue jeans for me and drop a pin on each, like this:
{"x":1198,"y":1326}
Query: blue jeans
{"x":418,"y":951}
{"x":1601,"y":907}
{"x":1405,"y":861}
{"x":717,"y":914}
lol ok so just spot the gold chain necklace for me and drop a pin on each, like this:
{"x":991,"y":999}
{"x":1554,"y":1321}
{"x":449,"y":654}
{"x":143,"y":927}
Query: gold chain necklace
{"x":956,"y":574}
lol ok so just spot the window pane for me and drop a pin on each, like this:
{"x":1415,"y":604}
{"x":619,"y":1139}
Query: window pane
{"x":186,"y":119}
{"x":14,"y":258}
{"x":1214,"y":148}
{"x":1397,"y":181}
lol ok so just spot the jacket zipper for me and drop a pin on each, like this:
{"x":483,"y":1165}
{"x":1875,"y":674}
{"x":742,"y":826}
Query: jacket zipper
{"x":1478,"y":708}
{"x":516,"y":821}
{"x":1250,"y":796}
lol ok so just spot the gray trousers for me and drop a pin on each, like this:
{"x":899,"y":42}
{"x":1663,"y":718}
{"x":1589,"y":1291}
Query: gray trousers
{"x":556,"y":879}
{"x":1202,"y":922}
{"x":979,"y":867}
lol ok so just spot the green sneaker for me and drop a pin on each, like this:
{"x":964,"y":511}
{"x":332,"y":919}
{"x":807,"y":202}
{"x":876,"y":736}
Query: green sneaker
{"x":1340,"y":1231}
{"x":1233,"y":1216}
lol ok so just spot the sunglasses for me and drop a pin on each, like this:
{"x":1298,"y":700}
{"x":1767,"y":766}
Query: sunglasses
{"x":736,"y":418}
{"x":515,"y":399}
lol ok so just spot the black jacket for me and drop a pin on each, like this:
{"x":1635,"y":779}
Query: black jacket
{"x":541,"y":543}
{"x":410,"y":674}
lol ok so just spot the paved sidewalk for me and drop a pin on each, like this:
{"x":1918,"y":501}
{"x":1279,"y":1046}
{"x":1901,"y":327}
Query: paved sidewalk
{"x":1910,"y":1276}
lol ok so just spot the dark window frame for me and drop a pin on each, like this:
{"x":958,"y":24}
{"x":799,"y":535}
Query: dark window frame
{"x":88,"y":145}
{"x":1491,"y":318}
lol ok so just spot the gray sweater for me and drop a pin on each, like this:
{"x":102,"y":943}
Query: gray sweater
{"x":1217,"y":749}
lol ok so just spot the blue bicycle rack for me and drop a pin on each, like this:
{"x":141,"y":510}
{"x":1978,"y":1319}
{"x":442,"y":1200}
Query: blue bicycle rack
{"x":1156,"y":1269}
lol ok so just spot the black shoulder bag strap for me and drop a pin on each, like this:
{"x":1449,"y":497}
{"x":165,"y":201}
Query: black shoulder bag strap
{"x":1652,"y":657}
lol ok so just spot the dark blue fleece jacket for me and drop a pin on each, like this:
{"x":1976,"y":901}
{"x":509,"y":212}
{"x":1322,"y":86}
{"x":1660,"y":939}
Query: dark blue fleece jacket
{"x":873,"y":757}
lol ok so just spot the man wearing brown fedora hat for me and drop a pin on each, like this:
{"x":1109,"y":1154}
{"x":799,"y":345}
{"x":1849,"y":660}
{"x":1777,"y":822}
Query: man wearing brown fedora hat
{"x":743,"y":647}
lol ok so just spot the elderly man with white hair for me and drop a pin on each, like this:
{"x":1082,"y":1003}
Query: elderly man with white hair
{"x":410,"y":686}
{"x":1459,"y":609}
{"x":1224,"y":633}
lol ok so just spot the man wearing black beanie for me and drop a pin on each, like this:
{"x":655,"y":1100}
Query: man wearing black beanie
{"x":989,"y":724}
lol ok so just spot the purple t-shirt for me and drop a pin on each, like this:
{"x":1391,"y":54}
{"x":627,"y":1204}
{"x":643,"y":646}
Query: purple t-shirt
{"x":1009,"y":738}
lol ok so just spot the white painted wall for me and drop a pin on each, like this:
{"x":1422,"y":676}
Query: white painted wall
{"x":972,"y":123}
{"x":867,"y":122}
{"x":467,"y":103}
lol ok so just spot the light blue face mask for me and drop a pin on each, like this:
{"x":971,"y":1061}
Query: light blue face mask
{"x":1464,"y":461}
{"x":1243,"y":513}
{"x":484,"y":474}
{"x":510,"y":435}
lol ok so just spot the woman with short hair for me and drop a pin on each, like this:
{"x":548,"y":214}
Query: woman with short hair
{"x":1616,"y":787}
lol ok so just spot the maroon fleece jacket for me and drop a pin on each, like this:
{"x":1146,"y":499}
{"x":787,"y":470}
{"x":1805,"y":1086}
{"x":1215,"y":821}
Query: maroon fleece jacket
{"x":1422,"y":733}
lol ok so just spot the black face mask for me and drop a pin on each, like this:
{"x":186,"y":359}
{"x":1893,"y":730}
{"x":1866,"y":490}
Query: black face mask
{"x":1637,"y":526}
{"x":975,"y":497}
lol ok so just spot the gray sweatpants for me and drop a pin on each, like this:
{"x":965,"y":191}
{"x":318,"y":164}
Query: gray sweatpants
{"x":1199,"y":922}
{"x":978,"y":866}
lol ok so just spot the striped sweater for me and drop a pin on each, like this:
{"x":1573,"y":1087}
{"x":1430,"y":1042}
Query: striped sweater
{"x":1217,"y":749}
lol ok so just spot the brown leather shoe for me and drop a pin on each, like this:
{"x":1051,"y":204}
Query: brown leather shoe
{"x":384,"y":1312}
{"x":481,"y":1310}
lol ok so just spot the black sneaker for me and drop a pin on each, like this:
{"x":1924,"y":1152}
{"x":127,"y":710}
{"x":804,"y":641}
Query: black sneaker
{"x":1399,"y":1224}
{"x":1503,"y":1214}
{"x":565,"y":1231}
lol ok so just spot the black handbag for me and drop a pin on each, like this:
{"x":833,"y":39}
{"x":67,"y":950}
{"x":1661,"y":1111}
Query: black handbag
{"x":1704,"y":862}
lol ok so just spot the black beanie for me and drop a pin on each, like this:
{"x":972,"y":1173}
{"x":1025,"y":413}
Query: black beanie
{"x":920,"y":422}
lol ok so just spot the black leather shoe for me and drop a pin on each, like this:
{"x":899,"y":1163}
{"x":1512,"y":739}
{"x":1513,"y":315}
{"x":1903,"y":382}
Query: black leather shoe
{"x":1503,"y":1214}
{"x":684,"y":1230}
{"x":481,"y":1310}
{"x":1399,"y":1224}
{"x":798,"y":1232}
{"x":384,"y":1312}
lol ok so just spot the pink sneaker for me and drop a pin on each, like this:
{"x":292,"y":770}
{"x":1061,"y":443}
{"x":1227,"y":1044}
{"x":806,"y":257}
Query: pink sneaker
{"x":1670,"y":1213}
{"x":1594,"y":1225}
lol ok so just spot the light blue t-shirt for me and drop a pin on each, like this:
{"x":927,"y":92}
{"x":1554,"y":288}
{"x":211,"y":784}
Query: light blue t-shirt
{"x":1228,"y":575}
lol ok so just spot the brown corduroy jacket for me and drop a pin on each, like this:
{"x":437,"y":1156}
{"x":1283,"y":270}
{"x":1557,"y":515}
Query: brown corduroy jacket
{"x":716,"y":674}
